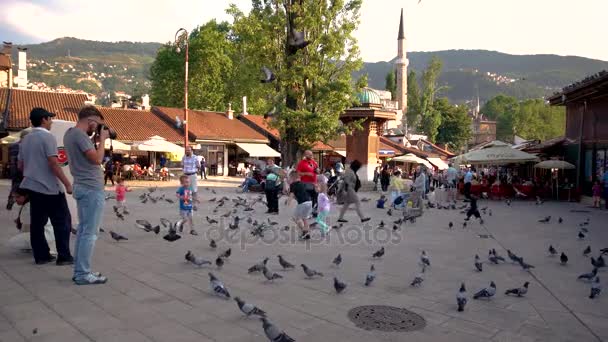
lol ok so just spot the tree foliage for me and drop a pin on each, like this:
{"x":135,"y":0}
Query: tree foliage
{"x":391,"y":84}
{"x":413,"y":101}
{"x":455,"y":128}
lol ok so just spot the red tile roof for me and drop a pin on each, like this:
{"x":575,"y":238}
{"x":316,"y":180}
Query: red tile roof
{"x":439,"y":150}
{"x":66,"y":106}
{"x":139,"y":125}
{"x":399,"y":149}
{"x":262,"y":123}
{"x":321,"y":146}
{"x":211,"y":125}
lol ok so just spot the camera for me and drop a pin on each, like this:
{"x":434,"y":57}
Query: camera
{"x":112,"y":133}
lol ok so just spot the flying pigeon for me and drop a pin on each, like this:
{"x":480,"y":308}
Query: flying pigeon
{"x":552,"y":250}
{"x":213,"y":244}
{"x":249,"y":309}
{"x":588,"y":276}
{"x":268,"y":75}
{"x":296,"y":40}
{"x":337,"y":260}
{"x":273,"y":333}
{"x":599,"y":263}
{"x":519,"y":291}
{"x":269,"y":275}
{"x":310,"y":273}
{"x":173,"y":228}
{"x":218,"y":287}
{"x":371,"y":276}
{"x":563,"y":258}
{"x":545,"y":220}
{"x":417,"y":280}
{"x":338,"y":285}
{"x":424,"y":259}
{"x":258,"y":267}
{"x":147,"y":226}
{"x":117,"y":236}
{"x":478,"y":263}
{"x":226,"y":254}
{"x":284,"y":263}
{"x":461,"y":298}
{"x":198,"y":261}
{"x":596,"y":288}
{"x":487,"y":292}
{"x":379,"y":253}
{"x":604,"y":251}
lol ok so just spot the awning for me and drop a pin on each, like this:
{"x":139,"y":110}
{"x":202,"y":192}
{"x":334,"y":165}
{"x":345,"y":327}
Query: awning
{"x":117,"y":145}
{"x":341,"y":152}
{"x":412,"y":158}
{"x":258,"y":150}
{"x":158,"y":144}
{"x":440,"y":164}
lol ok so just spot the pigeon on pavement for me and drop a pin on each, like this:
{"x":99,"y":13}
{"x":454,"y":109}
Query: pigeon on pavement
{"x":310,"y":273}
{"x":218,"y":287}
{"x":337,"y":260}
{"x":588,"y":276}
{"x":198,"y":261}
{"x":512,"y":256}
{"x":213,"y":244}
{"x":587,"y":251}
{"x":273,"y":333}
{"x":478,"y":263}
{"x":418,"y":279}
{"x":379,"y":253}
{"x":226,"y":254}
{"x":258,"y":267}
{"x":487,"y":292}
{"x":563,"y":258}
{"x":596,"y":288}
{"x":545,"y":220}
{"x":284,"y":263}
{"x":117,"y":236}
{"x":219,"y":262}
{"x":560,"y":220}
{"x":461,"y":298}
{"x":424,"y":259}
{"x":338,"y":285}
{"x":519,"y":291}
{"x":147,"y":226}
{"x":249,"y":309}
{"x":599,"y":263}
{"x":581,"y":235}
{"x":525,"y":265}
{"x":371,"y":276}
{"x":552,"y":250}
{"x":269,"y":275}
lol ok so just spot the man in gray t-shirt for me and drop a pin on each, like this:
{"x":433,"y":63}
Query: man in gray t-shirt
{"x":38,"y":161}
{"x":85,"y":165}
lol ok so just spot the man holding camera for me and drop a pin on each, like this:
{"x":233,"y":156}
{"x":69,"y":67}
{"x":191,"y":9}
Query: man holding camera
{"x":85,"y":160}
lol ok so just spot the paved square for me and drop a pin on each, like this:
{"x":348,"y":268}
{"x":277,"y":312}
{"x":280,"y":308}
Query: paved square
{"x":153,"y":294}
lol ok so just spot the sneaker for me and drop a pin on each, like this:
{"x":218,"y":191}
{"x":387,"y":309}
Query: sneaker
{"x":343,"y":220}
{"x":65,"y":262}
{"x":91,"y":279}
{"x":46,"y":261}
{"x":365,"y":219}
{"x":96,"y":274}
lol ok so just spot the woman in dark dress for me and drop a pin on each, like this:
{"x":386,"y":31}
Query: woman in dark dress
{"x":385,"y":178}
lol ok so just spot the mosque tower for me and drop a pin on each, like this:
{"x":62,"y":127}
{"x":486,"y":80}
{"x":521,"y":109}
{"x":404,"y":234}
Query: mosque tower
{"x":401,"y":69}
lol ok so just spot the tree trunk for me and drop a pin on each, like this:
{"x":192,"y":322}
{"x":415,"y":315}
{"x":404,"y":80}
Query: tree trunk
{"x":289,"y":142}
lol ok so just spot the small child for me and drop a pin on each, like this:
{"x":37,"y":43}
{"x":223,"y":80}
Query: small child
{"x":21,"y":241}
{"x":184,"y":193}
{"x":303,"y":210}
{"x":121,"y":191}
{"x":380,"y":202}
{"x":396,"y":186}
{"x":324,"y":206}
{"x":597,"y":194}
{"x":473,"y":211}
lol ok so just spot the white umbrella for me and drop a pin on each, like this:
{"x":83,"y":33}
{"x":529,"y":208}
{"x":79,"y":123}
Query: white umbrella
{"x":116,"y":145}
{"x":158,"y":144}
{"x":554,"y":164}
{"x":496,"y":153}
{"x":412,"y":158}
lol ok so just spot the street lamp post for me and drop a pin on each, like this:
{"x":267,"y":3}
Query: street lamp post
{"x":184,"y":32}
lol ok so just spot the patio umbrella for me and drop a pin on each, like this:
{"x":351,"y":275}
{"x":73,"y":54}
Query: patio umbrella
{"x":554,"y":164}
{"x":116,"y":145}
{"x":496,"y":153}
{"x":158,"y":144}
{"x":412,"y":158}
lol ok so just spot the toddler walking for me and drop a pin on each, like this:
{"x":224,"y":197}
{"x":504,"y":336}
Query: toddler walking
{"x":184,"y":193}
{"x":303,"y":210}
{"x":121,"y":191}
{"x":323,"y":206}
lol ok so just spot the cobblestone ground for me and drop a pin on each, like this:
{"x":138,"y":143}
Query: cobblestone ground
{"x":154,"y":295}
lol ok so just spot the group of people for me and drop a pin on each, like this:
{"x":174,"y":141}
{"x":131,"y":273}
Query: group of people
{"x":38,"y":190}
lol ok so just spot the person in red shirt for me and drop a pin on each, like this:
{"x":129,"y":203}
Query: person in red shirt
{"x":121,"y":191}
{"x":307,"y":169}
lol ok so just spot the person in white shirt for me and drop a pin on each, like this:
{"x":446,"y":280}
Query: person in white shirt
{"x":21,"y":242}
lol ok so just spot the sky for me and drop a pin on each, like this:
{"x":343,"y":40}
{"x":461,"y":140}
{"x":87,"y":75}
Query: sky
{"x":563,"y":27}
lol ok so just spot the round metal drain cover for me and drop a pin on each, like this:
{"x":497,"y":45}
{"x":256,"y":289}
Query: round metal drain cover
{"x":385,"y":318}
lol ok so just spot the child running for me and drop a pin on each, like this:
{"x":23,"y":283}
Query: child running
{"x":473,"y":211}
{"x":597,"y":194}
{"x":324,"y":206}
{"x":303,"y":210}
{"x":184,"y":193}
{"x":121,"y":191}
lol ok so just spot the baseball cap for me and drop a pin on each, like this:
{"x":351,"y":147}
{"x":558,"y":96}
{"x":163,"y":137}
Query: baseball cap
{"x":39,"y":113}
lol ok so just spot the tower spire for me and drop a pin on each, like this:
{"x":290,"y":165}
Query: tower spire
{"x":401,"y":34}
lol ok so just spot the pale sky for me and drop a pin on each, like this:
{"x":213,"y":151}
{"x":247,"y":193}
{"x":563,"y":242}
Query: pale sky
{"x":563,"y":27}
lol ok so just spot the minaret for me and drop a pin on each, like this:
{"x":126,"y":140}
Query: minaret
{"x":401,"y":69}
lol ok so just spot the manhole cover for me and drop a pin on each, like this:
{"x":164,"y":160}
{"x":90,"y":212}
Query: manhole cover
{"x":385,"y":318}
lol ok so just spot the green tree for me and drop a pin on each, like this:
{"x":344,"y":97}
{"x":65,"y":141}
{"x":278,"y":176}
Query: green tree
{"x":413,"y":101}
{"x":455,"y":128}
{"x":537,"y":120}
{"x":430,"y":117}
{"x":314,"y":84}
{"x":390,"y":84}
{"x":502,"y":108}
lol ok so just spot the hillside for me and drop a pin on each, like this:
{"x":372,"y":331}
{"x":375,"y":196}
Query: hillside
{"x":105,"y":67}
{"x":522,"y":76}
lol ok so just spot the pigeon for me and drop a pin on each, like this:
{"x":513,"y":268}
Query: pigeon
{"x":226,"y":254}
{"x":389,"y":212}
{"x":497,"y":256}
{"x":424,"y":259}
{"x":213,"y":199}
{"x":213,"y":244}
{"x":599,"y":263}
{"x":381,"y":225}
{"x":210,"y":221}
{"x":119,"y":215}
{"x":269,"y":275}
{"x":284,"y":263}
{"x":173,"y":228}
{"x":337,"y":260}
{"x":545,"y":220}
{"x":492,"y":258}
{"x":552,"y":250}
{"x":214,"y":192}
{"x":450,"y":225}
{"x":478,"y":263}
{"x":417,"y":280}
{"x":258,"y":267}
{"x":538,"y":200}
{"x":338,"y":285}
{"x":273,"y":333}
{"x":268,"y":75}
{"x":296,"y":40}
{"x":461,"y":298}
{"x":487,"y":292}
{"x":464,"y":225}
{"x":117,"y":236}
{"x":147,"y":226}
{"x":512,"y":256}
{"x":379,"y":253}
{"x":508,"y":201}
{"x":563,"y":258}
{"x":581,"y":235}
{"x":584,"y":230}
{"x":310,"y":273}
{"x":604,"y":251}
{"x":219,"y":262}
{"x":588,"y":276}
{"x":218,"y":287}
{"x":560,"y":220}
{"x":596,"y":288}
{"x":490,"y":212}
{"x":272,"y":223}
{"x":525,"y":265}
{"x":371,"y":276}
{"x":249,"y":309}
{"x":198,"y":261}
{"x":518,"y":291}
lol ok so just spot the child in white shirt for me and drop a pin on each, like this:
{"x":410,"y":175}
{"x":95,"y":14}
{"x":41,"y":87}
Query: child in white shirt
{"x":21,"y":241}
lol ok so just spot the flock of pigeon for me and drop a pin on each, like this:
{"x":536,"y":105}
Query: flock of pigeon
{"x":257,"y":229}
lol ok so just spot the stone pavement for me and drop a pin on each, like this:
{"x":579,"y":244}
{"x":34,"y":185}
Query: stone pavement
{"x":154,"y":295}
